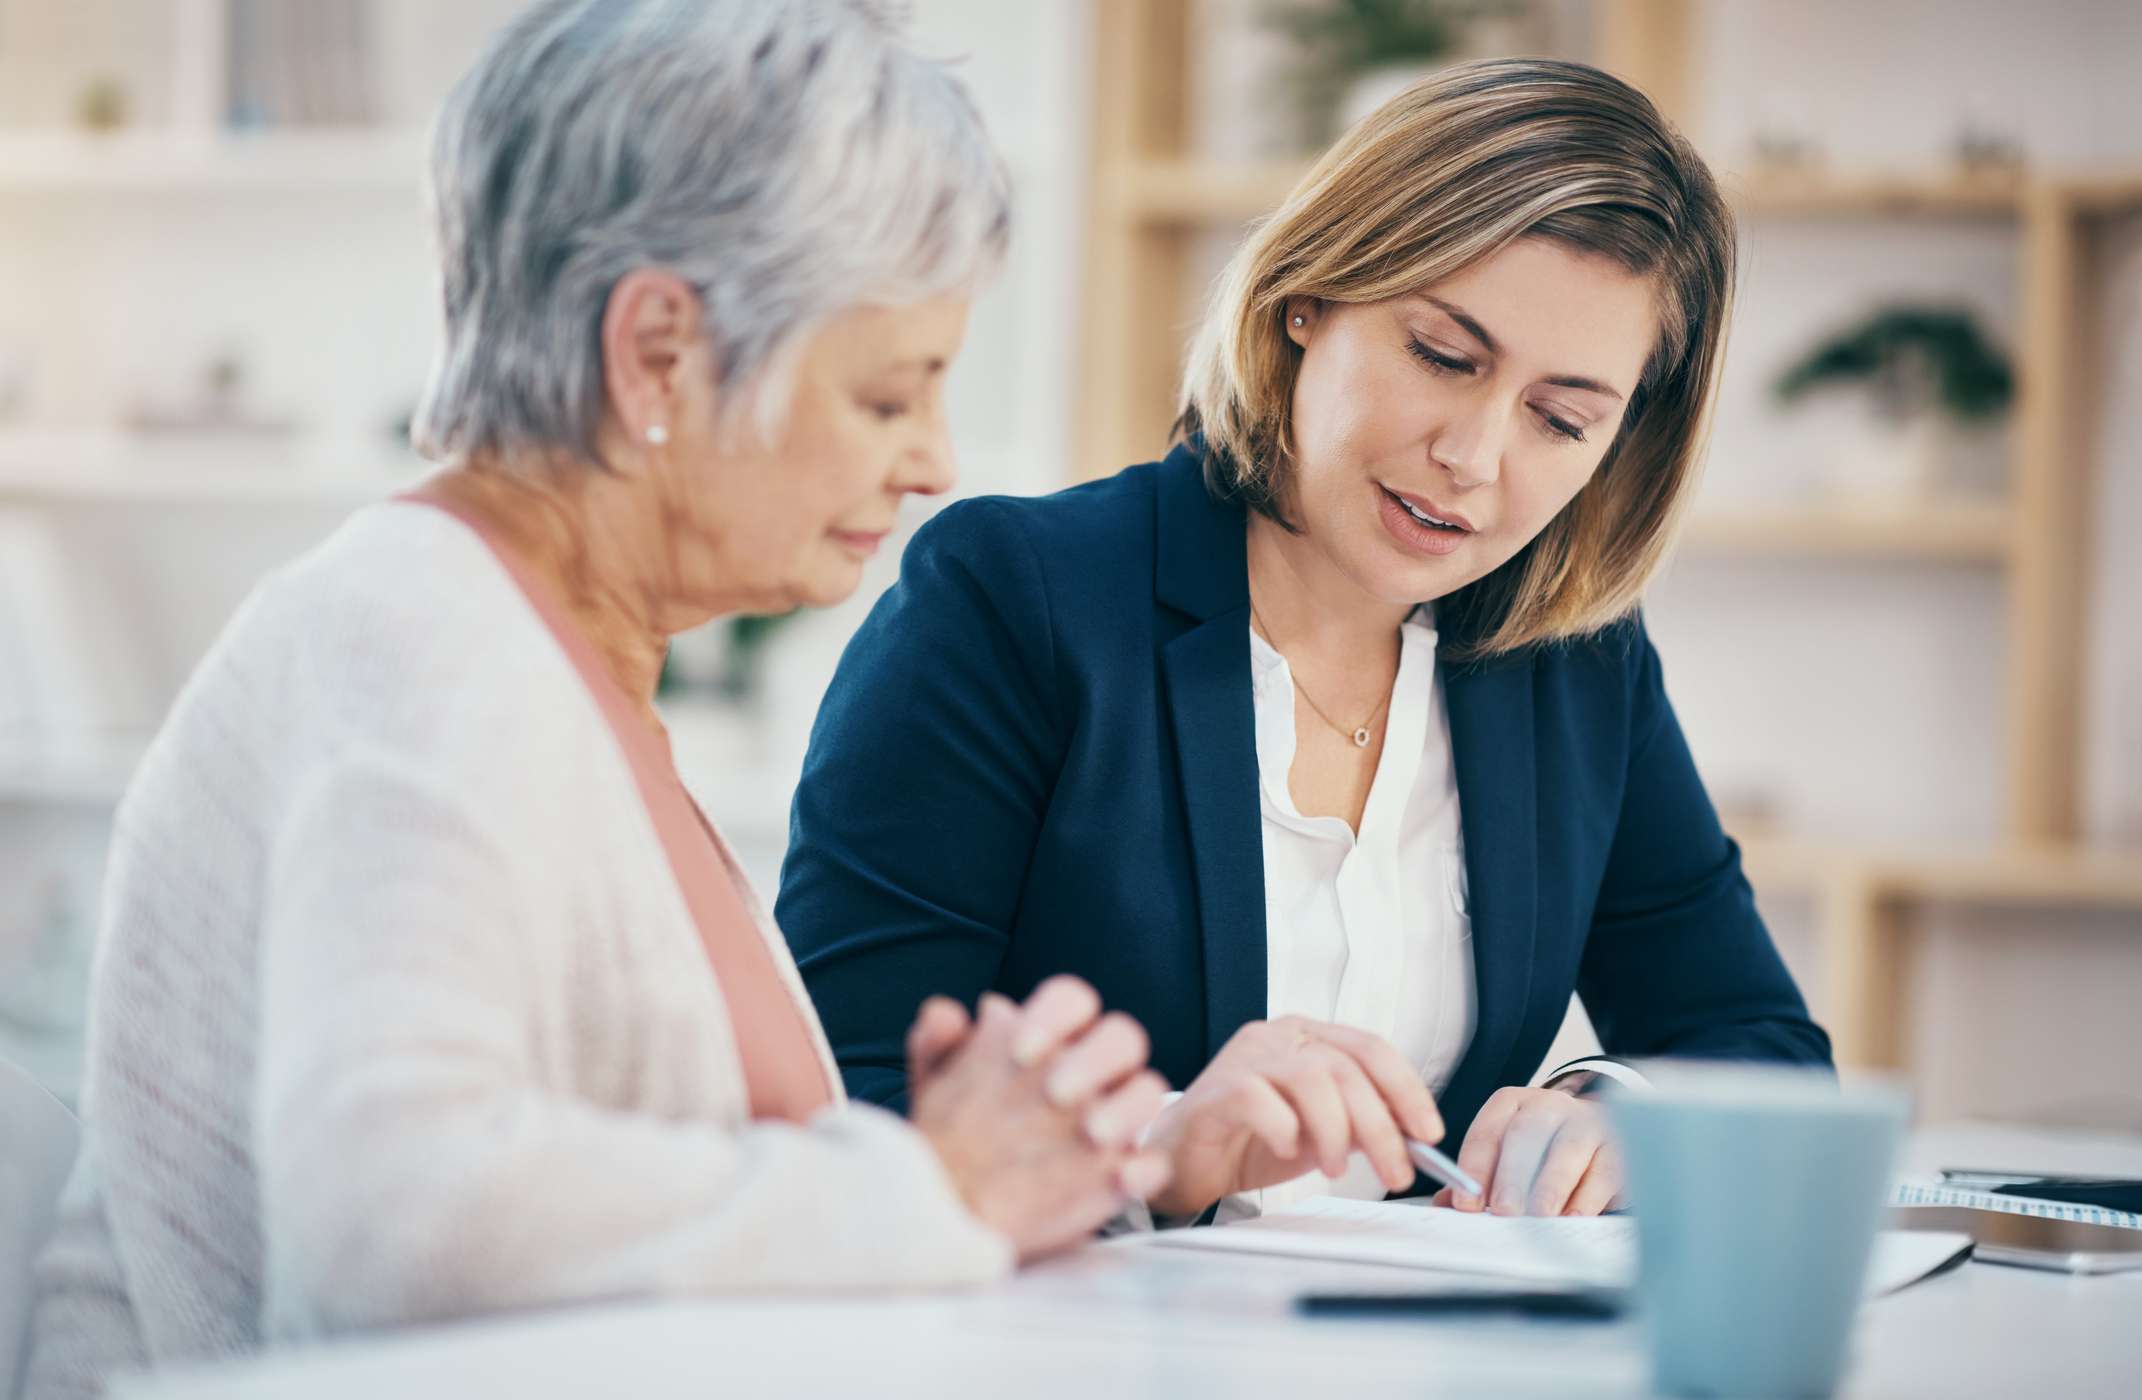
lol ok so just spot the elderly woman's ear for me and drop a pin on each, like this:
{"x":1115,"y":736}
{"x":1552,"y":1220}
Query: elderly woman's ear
{"x":654,"y":353}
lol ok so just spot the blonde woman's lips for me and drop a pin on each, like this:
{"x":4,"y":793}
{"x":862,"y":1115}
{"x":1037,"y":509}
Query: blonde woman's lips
{"x":1405,"y":525}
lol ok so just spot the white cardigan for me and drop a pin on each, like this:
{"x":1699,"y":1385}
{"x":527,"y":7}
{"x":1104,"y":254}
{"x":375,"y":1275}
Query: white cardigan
{"x":398,"y":1013}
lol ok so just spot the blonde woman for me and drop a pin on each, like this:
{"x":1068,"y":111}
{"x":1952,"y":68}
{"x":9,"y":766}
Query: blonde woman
{"x":1332,"y":747}
{"x":424,"y":990}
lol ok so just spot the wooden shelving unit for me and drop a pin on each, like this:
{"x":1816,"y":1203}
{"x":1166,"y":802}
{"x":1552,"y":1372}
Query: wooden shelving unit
{"x":1151,"y":197}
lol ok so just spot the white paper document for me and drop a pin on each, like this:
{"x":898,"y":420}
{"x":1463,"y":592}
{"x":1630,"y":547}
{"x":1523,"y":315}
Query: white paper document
{"x":1595,"y":1251}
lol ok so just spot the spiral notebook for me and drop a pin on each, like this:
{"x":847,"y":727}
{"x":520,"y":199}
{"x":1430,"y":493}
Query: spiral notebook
{"x":1932,"y":1191}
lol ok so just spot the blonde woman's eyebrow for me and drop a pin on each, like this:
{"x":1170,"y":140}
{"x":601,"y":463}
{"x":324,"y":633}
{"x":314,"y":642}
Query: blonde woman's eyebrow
{"x":1479,"y":332}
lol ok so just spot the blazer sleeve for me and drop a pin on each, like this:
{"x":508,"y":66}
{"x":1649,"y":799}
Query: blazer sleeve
{"x":421,"y":1159}
{"x":929,"y":771}
{"x":1678,"y":961}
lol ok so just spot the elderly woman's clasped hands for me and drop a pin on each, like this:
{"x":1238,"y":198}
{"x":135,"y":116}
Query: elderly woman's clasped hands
{"x":1037,"y":1111}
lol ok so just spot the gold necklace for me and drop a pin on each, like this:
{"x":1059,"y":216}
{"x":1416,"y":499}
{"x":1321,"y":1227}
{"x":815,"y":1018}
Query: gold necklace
{"x":1359,"y":733}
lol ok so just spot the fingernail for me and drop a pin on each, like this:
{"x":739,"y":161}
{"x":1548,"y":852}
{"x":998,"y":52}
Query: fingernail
{"x":1102,"y":1129}
{"x":1141,"y":1177}
{"x":992,"y":1010}
{"x":1027,"y":1050}
{"x":1063,"y":1088}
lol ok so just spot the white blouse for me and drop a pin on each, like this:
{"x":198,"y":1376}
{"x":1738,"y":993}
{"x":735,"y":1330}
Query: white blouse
{"x":1372,"y":928}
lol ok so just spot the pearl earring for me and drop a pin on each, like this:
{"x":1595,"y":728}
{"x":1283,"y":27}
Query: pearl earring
{"x":1300,"y":321}
{"x":657,"y":434}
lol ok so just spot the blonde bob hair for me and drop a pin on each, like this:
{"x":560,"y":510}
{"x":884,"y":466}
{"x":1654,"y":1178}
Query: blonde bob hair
{"x":1447,"y":173}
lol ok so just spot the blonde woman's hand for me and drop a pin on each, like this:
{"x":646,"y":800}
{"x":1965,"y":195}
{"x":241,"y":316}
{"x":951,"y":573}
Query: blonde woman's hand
{"x":1036,"y":1111}
{"x":1286,"y":1097}
{"x":1539,"y":1152}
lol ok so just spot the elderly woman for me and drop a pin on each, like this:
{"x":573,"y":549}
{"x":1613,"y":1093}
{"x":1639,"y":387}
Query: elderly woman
{"x":424,"y":988}
{"x":1333,"y":747}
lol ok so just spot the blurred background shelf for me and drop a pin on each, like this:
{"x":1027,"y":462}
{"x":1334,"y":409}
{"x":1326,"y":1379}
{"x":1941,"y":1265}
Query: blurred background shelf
{"x":197,"y":468}
{"x":235,"y":486}
{"x":1165,"y":191}
{"x":1873,"y":912}
{"x":1970,"y":532}
{"x":153,"y":162}
{"x":1880,"y":194}
{"x":2050,"y":876}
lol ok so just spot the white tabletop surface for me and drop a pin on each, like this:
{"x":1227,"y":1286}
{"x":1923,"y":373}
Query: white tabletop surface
{"x":1126,"y":1321}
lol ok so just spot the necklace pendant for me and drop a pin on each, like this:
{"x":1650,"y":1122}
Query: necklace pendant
{"x":1361,"y":737}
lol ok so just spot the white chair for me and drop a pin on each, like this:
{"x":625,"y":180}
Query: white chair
{"x":38,"y":1137}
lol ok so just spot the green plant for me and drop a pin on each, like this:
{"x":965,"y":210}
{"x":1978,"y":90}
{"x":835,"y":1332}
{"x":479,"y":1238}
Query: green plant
{"x":1913,"y":358}
{"x":748,"y":636}
{"x":742,"y":659}
{"x":1343,"y":37}
{"x":1336,"y":41}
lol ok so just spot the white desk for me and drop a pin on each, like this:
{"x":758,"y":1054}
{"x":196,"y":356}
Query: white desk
{"x":1128,"y":1321}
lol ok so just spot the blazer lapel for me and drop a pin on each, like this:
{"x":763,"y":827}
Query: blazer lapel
{"x":1491,"y":740}
{"x":1207,"y":671}
{"x":1201,"y":573}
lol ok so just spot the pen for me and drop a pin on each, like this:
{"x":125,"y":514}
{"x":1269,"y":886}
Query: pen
{"x":1442,"y":1168}
{"x":1965,"y":1177}
{"x":1573,"y":1305}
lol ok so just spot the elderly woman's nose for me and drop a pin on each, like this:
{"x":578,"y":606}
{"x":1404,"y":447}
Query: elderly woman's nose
{"x":930,"y":470}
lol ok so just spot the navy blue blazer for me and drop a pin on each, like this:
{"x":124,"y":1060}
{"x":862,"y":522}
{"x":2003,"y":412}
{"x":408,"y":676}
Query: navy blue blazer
{"x":1038,"y":756}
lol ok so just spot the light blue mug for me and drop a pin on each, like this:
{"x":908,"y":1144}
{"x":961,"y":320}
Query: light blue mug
{"x":1757,"y":1193}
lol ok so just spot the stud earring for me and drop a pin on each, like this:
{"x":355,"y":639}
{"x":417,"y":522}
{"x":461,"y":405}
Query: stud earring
{"x":1300,"y":321}
{"x":657,"y":434}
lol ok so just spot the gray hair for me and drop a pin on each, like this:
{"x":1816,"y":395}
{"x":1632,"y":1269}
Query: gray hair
{"x":789,"y":159}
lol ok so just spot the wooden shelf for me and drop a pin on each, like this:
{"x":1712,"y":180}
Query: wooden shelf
{"x":222,"y":469}
{"x":197,"y":486}
{"x":2104,"y":194}
{"x":1869,"y":904}
{"x":1875,"y":194}
{"x":2066,"y":877}
{"x":151,"y":162}
{"x":1782,"y":865}
{"x":2049,"y":875}
{"x":1189,"y":191}
{"x":1968,"y":532}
